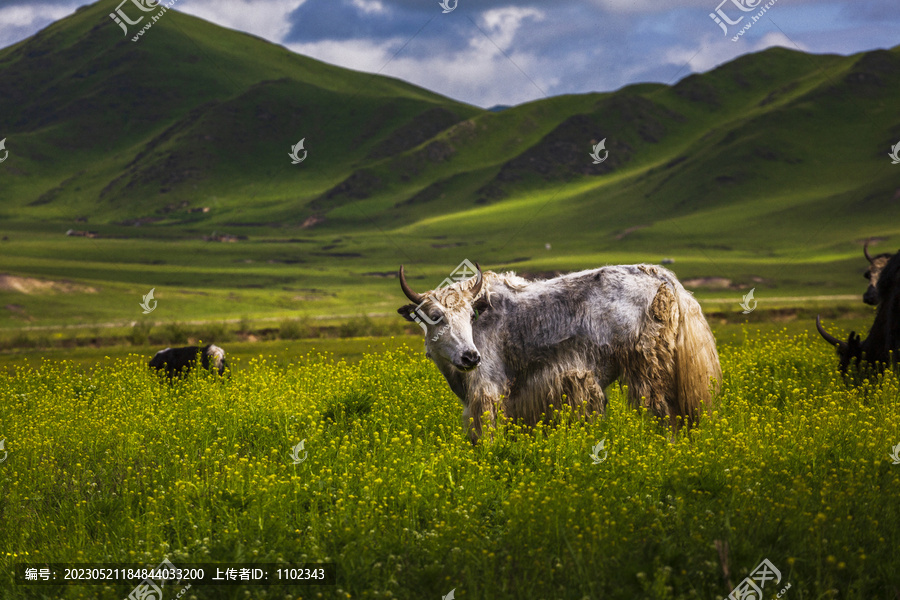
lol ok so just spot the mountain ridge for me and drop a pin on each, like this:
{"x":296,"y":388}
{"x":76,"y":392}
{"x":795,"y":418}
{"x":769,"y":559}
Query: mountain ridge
{"x":775,"y":156}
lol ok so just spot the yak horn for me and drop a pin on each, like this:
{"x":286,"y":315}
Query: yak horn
{"x":414,"y":297}
{"x":477,"y":287}
{"x":866,"y":251}
{"x":828,"y":337}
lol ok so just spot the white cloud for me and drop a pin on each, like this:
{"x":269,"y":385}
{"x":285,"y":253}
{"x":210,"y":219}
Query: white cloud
{"x":483,"y":79}
{"x":360,"y":54}
{"x":22,"y":20}
{"x":503,"y":23}
{"x":700,"y":59}
{"x":369,"y":7}
{"x":478,"y":73}
{"x":268,"y":19}
{"x":713,"y":52}
{"x":776,"y":38}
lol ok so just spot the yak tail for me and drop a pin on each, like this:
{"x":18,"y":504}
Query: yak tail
{"x":698,"y":373}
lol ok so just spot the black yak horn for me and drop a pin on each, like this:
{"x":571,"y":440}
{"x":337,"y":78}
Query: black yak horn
{"x":866,"y":251}
{"x":414,"y":297}
{"x":828,"y":337}
{"x":477,"y":287}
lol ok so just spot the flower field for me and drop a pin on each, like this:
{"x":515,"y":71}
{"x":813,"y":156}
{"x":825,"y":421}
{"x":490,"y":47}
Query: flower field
{"x":114,"y":465}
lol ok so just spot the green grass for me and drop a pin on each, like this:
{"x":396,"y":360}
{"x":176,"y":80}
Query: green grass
{"x":109,"y":464}
{"x":260,"y":278}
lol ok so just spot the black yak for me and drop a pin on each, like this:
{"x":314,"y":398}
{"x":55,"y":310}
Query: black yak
{"x":873,"y":273}
{"x":882,"y":345}
{"x":174,"y":360}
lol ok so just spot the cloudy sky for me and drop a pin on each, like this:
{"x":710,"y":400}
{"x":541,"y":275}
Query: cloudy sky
{"x":489,"y":52}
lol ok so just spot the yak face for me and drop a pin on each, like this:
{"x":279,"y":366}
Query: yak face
{"x":876,"y":265}
{"x":448,"y":332}
{"x":447,"y":316}
{"x":159,"y":359}
{"x":872,"y":273}
{"x":215,"y":356}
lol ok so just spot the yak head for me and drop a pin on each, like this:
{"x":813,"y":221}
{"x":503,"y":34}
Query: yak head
{"x":847,"y":351}
{"x":876,"y":265}
{"x":447,"y":315}
{"x":159,"y":359}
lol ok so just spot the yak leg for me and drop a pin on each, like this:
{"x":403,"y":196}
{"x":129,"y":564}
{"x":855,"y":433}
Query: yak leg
{"x":582,"y":391}
{"x":650,"y":374}
{"x":563,"y":383}
{"x":480,"y":402}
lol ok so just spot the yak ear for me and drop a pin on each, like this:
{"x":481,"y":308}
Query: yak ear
{"x":407,"y":312}
{"x":482,"y":304}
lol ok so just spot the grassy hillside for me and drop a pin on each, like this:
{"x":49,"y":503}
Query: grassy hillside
{"x":766,"y":173}
{"x":103,"y":127}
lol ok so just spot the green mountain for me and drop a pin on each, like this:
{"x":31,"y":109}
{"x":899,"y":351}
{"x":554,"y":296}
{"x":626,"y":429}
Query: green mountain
{"x":768,"y":170}
{"x":120,"y":129}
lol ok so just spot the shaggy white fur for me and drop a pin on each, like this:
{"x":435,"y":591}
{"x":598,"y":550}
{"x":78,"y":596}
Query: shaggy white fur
{"x":564,"y":340}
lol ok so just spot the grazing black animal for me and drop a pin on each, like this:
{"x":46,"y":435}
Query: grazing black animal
{"x":873,"y":273}
{"x":882,"y":346}
{"x":174,"y":360}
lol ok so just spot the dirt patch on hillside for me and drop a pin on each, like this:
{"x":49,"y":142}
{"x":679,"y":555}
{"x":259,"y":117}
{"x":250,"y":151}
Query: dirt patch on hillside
{"x":30,"y":285}
{"x":713,"y":283}
{"x":311,"y":222}
{"x":629,"y":231}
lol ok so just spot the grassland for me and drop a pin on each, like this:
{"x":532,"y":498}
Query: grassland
{"x":109,"y":464}
{"x":103,"y":281}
